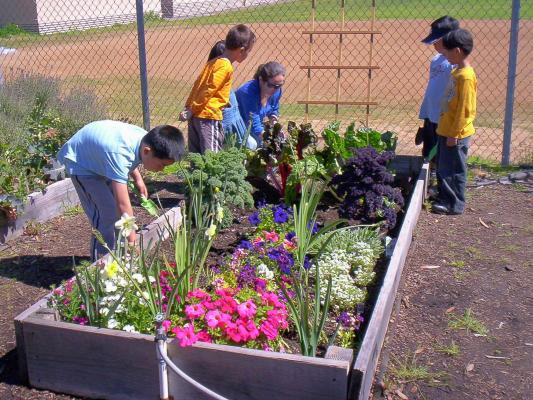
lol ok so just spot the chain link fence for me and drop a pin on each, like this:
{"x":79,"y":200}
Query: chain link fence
{"x":93,"y":46}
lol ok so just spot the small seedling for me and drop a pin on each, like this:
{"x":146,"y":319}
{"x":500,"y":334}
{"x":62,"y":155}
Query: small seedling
{"x":469,"y":322}
{"x":452,"y":349}
{"x":474,"y":252}
{"x":34,"y":228}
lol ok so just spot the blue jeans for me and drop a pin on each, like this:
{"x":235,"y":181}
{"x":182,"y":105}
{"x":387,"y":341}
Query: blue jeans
{"x":451,"y":174}
{"x":98,"y":202}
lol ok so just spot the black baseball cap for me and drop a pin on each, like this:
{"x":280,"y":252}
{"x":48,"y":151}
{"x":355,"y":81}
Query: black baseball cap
{"x":439,"y":28}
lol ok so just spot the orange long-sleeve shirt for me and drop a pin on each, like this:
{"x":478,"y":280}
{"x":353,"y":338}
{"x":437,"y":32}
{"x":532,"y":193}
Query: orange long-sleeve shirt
{"x":210,"y":92}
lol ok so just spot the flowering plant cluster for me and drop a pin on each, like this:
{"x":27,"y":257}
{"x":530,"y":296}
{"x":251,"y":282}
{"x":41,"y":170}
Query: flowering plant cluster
{"x":247,"y":317}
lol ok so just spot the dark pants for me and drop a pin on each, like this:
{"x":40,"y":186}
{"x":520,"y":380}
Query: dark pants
{"x":429,"y":138}
{"x":205,"y":134}
{"x":451,"y":174}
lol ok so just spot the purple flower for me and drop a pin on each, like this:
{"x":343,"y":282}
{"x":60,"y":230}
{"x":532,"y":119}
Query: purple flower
{"x":215,"y":268}
{"x":284,"y":259}
{"x":345,"y":319}
{"x":254,"y":218}
{"x":247,"y":276}
{"x":261,"y":204}
{"x":246,"y":245}
{"x":307,"y":263}
{"x":280,"y":215}
{"x":260,"y":284}
{"x":315,"y":228}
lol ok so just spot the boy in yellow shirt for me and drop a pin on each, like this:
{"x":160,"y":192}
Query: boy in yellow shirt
{"x":211,"y":90}
{"x":455,"y":126}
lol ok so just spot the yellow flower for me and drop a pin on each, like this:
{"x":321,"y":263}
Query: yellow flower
{"x":111,"y":269}
{"x":210,"y":232}
{"x":216,"y":189}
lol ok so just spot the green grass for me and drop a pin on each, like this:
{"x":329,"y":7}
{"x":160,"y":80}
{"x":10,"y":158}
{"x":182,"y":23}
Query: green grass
{"x":457,"y":264}
{"x":491,"y":166}
{"x":409,"y":371}
{"x":293,"y":11}
{"x":73,"y":211}
{"x":452,"y":349}
{"x":469,"y":322}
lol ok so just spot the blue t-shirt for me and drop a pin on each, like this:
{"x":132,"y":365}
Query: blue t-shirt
{"x":104,"y":148}
{"x":249,"y":99}
{"x":439,"y":74}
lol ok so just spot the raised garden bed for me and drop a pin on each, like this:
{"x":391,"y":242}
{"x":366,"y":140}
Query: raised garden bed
{"x":102,"y":363}
{"x":40,"y":207}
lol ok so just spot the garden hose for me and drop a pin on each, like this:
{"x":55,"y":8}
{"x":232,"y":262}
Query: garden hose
{"x":160,"y":339}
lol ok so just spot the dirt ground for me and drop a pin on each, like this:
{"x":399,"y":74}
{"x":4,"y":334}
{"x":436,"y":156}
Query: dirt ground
{"x":480,"y":261}
{"x":176,"y":54}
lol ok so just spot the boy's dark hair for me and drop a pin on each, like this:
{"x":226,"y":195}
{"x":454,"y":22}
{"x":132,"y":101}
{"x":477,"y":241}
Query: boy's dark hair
{"x":217,"y":50}
{"x":460,"y":38}
{"x":166,"y":142}
{"x":269,"y":70}
{"x":441,"y":27}
{"x":240,"y":36}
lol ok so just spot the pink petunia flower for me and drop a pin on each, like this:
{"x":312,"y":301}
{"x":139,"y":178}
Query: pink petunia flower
{"x":268,"y":330}
{"x":166,"y":324}
{"x":185,"y":335}
{"x":203,"y":336}
{"x":197,"y":294}
{"x":194,"y":311}
{"x":271,"y":236}
{"x":217,"y":319}
{"x":247,"y":309}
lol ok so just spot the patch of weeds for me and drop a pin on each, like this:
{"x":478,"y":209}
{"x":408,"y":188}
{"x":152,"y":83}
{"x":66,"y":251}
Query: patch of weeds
{"x":452,"y":349}
{"x":474,"y":252}
{"x":457,"y":264}
{"x":512,"y":248}
{"x":460,"y":275}
{"x":73,"y":211}
{"x":469,"y":322}
{"x":520,"y":188}
{"x":507,"y":234}
{"x":34,"y":228}
{"x":410,"y":371}
{"x":492,"y":167}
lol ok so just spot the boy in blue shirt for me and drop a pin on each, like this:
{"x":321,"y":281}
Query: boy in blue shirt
{"x":439,"y":74}
{"x":101,"y":157}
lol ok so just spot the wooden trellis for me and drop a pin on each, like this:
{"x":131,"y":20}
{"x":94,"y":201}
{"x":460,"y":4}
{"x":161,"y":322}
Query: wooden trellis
{"x":342,"y":31}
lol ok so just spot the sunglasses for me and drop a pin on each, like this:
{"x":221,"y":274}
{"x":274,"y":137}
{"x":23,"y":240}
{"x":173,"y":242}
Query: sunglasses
{"x":274,"y":85}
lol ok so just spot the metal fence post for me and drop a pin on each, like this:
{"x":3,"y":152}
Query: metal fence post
{"x":511,"y":81}
{"x":142,"y":65}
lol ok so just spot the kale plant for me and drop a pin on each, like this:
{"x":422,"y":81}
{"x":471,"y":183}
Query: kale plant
{"x":365,"y":186}
{"x":222,"y":175}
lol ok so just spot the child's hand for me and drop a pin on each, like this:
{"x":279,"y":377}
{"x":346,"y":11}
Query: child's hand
{"x":185,"y":115}
{"x":451,"y":142}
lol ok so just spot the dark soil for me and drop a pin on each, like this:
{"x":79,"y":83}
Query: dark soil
{"x":479,"y":261}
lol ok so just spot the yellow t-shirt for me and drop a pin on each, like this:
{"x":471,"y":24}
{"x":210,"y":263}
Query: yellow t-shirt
{"x":211,"y":89}
{"x":459,"y":104}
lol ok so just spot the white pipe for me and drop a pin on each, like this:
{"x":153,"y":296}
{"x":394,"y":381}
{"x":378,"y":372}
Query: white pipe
{"x":161,"y":351}
{"x":163,"y":376}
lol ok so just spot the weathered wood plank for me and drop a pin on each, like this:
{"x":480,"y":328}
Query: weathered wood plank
{"x":90,"y":362}
{"x":237,"y":374}
{"x":40,"y":207}
{"x":365,"y":363}
{"x":339,"y":353}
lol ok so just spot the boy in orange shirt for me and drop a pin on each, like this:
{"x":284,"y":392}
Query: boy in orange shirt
{"x":456,"y":123}
{"x":211,"y":90}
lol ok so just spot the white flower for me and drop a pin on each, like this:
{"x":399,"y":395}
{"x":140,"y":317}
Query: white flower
{"x":220,"y":213}
{"x":263,"y":270}
{"x":210,"y":232}
{"x":122,"y":282}
{"x":112,"y":323}
{"x":151,"y":279}
{"x":138,"y":277}
{"x":119,"y":309}
{"x":126,"y":224}
{"x":129,"y":328}
{"x":110,"y":286}
{"x":104,"y":311}
{"x":146,"y":295}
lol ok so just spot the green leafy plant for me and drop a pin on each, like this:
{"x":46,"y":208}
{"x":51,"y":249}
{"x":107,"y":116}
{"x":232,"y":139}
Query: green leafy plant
{"x":222,"y":177}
